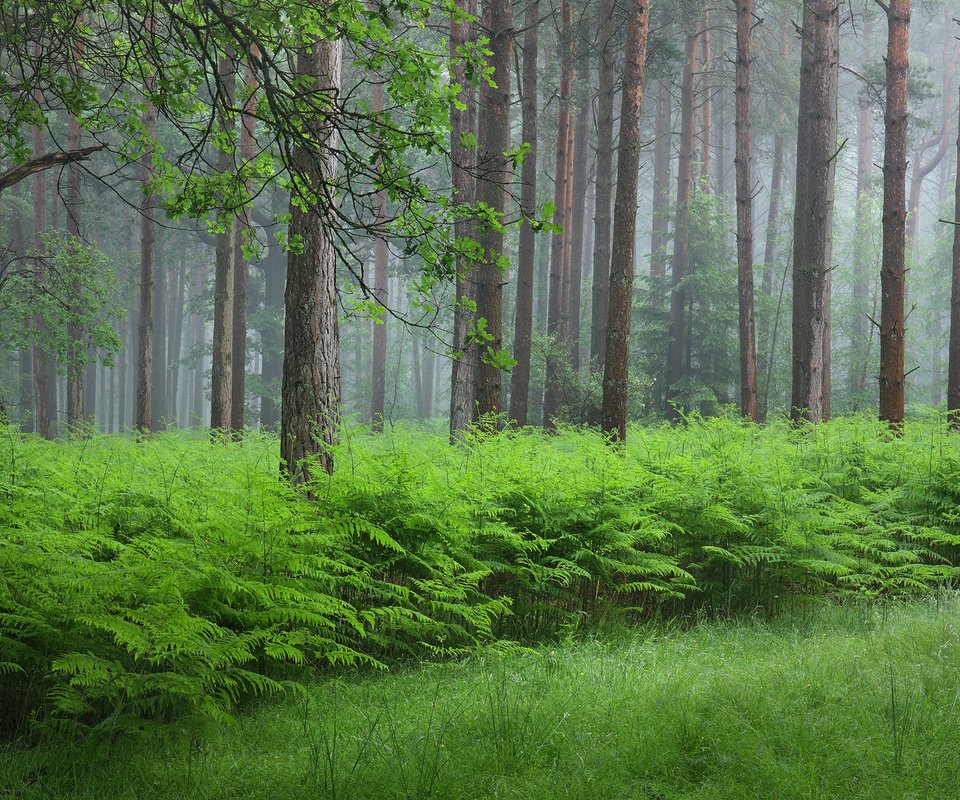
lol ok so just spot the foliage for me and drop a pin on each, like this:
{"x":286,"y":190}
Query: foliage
{"x":142,"y":582}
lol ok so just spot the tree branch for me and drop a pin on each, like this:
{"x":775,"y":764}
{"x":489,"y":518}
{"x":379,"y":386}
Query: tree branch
{"x":46,"y":161}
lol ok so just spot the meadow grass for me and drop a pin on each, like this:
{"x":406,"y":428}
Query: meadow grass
{"x":838,"y":702}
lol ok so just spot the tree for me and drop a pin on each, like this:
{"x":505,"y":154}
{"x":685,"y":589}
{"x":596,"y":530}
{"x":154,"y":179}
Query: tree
{"x":893,"y":267}
{"x":494,"y":174}
{"x":310,"y":412}
{"x":813,"y":212}
{"x":382,"y":297}
{"x":953,"y":369}
{"x":523,"y":313}
{"x":614,"y":411}
{"x":744,"y":170}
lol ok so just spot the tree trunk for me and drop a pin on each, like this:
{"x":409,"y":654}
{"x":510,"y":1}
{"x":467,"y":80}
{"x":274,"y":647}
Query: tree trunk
{"x":893,"y":266}
{"x":558,"y":245}
{"x":241,"y":264}
{"x":813,"y":215}
{"x":463,"y":374}
{"x":271,"y":334}
{"x":41,"y":359}
{"x":493,"y":143}
{"x":705,"y":90}
{"x":676,"y":348}
{"x":76,"y":348}
{"x":221,"y":371}
{"x":953,"y":367}
{"x":381,"y":296}
{"x":159,"y":339}
{"x":615,"y":373}
{"x":523,"y":312}
{"x":578,"y":207}
{"x":310,"y":415}
{"x":602,"y":216}
{"x":175,"y":342}
{"x":660,"y":232}
{"x":744,"y":174}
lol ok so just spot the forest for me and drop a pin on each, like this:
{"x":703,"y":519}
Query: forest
{"x":479,"y":399}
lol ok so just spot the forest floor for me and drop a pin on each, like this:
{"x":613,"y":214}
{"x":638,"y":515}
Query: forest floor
{"x":824,"y":703}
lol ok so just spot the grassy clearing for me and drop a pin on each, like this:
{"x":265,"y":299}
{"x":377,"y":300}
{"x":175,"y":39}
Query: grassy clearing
{"x":836,"y":703}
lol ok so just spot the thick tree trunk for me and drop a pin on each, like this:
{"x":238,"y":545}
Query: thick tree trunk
{"x":523,"y":312}
{"x":143,"y":416}
{"x":813,"y":215}
{"x":744,"y":170}
{"x":602,"y":215}
{"x":562,"y":193}
{"x":893,"y":266}
{"x":221,"y":371}
{"x":705,"y":90}
{"x":76,"y":348}
{"x":579,"y":206}
{"x":381,"y":295}
{"x":241,"y":264}
{"x":493,"y":143}
{"x":677,"y":346}
{"x":615,"y":373}
{"x":463,"y":373}
{"x":310,"y":415}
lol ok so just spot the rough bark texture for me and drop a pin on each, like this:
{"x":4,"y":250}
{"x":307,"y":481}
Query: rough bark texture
{"x":311,"y":360}
{"x":813,"y":215}
{"x":221,"y":369}
{"x":241,"y":264}
{"x":614,"y":411}
{"x":705,"y":90}
{"x":559,"y":242}
{"x":493,"y":143}
{"x":602,"y":214}
{"x":676,"y":348}
{"x":523,"y":312}
{"x":143,"y":416}
{"x":744,"y":172}
{"x":463,"y":373}
{"x":953,"y":368}
{"x":381,"y":296}
{"x":893,"y":266}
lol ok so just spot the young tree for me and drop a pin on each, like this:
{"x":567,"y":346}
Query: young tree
{"x":813,"y":212}
{"x":893,"y":267}
{"x":614,"y":412}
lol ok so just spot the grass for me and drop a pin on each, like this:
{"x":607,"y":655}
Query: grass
{"x":841,"y":702}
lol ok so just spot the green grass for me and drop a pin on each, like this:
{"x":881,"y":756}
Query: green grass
{"x":836,"y":703}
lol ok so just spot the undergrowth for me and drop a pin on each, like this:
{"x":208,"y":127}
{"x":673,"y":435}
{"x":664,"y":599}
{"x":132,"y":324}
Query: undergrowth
{"x":142,"y":582}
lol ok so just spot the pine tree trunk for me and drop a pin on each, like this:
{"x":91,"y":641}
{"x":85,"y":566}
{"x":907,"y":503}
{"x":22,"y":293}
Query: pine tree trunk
{"x":705,"y":90}
{"x":310,"y":415}
{"x":615,"y":373}
{"x":579,"y":205}
{"x":558,"y":243}
{"x":953,"y":366}
{"x":744,"y":175}
{"x":463,"y":374}
{"x":813,"y":214}
{"x":893,"y":266}
{"x":493,"y":143}
{"x":662,"y":133}
{"x":221,"y":370}
{"x":159,"y":339}
{"x":41,"y":359}
{"x":603,"y":216}
{"x":526,"y":259}
{"x":76,"y":349}
{"x":175,"y":342}
{"x":271,"y":334}
{"x":676,"y":348}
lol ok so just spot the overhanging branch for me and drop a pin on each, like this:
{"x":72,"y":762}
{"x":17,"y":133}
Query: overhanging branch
{"x":46,"y":161}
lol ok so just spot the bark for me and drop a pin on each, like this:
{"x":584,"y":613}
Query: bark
{"x":40,"y":162}
{"x":381,"y":296}
{"x":159,"y":371}
{"x":221,"y":371}
{"x":677,"y":345}
{"x":744,"y":180}
{"x":310,"y":415}
{"x":175,"y":342}
{"x":813,"y":215}
{"x":558,"y":244}
{"x":199,"y":341}
{"x":578,"y":206}
{"x":893,"y":266}
{"x":148,"y":235}
{"x":602,"y":216}
{"x":615,"y":373}
{"x":76,"y":349}
{"x":526,"y":259}
{"x":953,"y":365}
{"x":705,"y":89}
{"x":271,"y":334}
{"x":463,"y":374}
{"x":494,"y":142}
{"x":241,"y":264}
